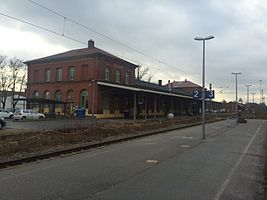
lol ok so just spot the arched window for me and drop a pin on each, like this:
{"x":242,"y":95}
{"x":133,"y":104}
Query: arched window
{"x":47,"y":95}
{"x":84,"y":98}
{"x":58,"y":95}
{"x":35,"y":94}
{"x":70,"y":95}
{"x":70,"y":100}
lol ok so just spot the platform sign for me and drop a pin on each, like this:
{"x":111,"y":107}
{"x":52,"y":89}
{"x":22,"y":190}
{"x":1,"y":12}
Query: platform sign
{"x":197,"y":94}
{"x":209,"y":94}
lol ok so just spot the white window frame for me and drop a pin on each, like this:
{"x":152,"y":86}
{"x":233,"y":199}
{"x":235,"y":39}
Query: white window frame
{"x":118,"y":76}
{"x":107,"y":73}
{"x":47,"y":75}
{"x":59,"y":74}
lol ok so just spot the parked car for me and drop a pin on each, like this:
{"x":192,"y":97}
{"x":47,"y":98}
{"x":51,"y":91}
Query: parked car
{"x":2,"y":123}
{"x":27,"y":114}
{"x":6,"y":114}
{"x":11,"y":109}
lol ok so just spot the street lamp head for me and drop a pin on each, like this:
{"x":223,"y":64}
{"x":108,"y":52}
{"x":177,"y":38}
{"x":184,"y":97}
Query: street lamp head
{"x":236,"y":73}
{"x":204,"y":38}
{"x":199,"y":38}
{"x":209,"y":37}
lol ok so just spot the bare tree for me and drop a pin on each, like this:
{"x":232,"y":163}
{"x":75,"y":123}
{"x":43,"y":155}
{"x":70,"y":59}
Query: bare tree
{"x":4,"y":80}
{"x":18,"y":79}
{"x":142,"y":72}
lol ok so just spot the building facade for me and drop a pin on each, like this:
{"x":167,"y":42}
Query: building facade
{"x":101,"y":83}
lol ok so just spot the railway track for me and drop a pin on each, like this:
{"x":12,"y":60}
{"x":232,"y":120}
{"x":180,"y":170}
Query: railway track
{"x":14,"y":162}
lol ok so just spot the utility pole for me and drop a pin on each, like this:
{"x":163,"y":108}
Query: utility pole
{"x":236,"y":103}
{"x":253,"y":93}
{"x":260,"y":92}
{"x":253,"y":106}
{"x":248,"y":85}
{"x":262,"y":97}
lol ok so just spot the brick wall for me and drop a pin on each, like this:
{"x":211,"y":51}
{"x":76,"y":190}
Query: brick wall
{"x":86,"y":70}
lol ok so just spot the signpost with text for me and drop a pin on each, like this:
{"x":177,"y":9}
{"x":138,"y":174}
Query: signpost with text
{"x":209,"y":94}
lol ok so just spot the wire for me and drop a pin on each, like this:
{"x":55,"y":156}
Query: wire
{"x":68,"y":37}
{"x":73,"y":39}
{"x":103,"y":35}
{"x":40,"y":27}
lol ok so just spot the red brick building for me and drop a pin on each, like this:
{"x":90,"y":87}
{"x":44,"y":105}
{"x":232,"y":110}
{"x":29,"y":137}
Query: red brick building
{"x":185,"y":85}
{"x":102,"y":83}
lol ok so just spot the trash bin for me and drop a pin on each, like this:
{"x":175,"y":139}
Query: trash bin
{"x":83,"y":112}
{"x":78,"y":113}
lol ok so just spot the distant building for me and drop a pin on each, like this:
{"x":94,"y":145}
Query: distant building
{"x":186,"y":85}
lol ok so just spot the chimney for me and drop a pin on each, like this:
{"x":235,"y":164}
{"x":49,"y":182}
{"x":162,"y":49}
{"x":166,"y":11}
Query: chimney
{"x":91,"y":43}
{"x":160,"y":82}
{"x":185,"y":80}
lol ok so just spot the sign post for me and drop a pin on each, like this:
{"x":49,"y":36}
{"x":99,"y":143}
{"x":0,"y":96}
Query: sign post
{"x":203,"y":95}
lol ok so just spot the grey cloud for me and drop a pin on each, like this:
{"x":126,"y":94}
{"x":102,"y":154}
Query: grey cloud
{"x":164,"y":30}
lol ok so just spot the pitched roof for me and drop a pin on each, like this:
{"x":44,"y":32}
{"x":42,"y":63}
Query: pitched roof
{"x":153,"y":86}
{"x":143,"y":89}
{"x":162,"y":88}
{"x":76,"y":54}
{"x":184,"y":84}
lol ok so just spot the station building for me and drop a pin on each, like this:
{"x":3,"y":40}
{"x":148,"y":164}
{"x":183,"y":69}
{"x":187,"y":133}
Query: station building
{"x":104,"y":85}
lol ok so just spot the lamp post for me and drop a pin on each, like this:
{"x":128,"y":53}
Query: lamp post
{"x":203,"y":39}
{"x":253,"y":93}
{"x":260,"y":92}
{"x":236,"y":104}
{"x":253,"y":109}
{"x":248,"y":85}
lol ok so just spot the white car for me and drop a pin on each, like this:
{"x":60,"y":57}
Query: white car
{"x":27,"y":114}
{"x":6,"y":114}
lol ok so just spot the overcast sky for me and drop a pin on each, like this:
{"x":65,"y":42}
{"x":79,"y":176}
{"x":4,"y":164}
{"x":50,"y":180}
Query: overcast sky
{"x":163,"y":30}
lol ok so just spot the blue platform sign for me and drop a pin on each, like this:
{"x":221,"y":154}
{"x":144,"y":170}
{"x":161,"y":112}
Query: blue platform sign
{"x":209,"y":94}
{"x":197,"y":94}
